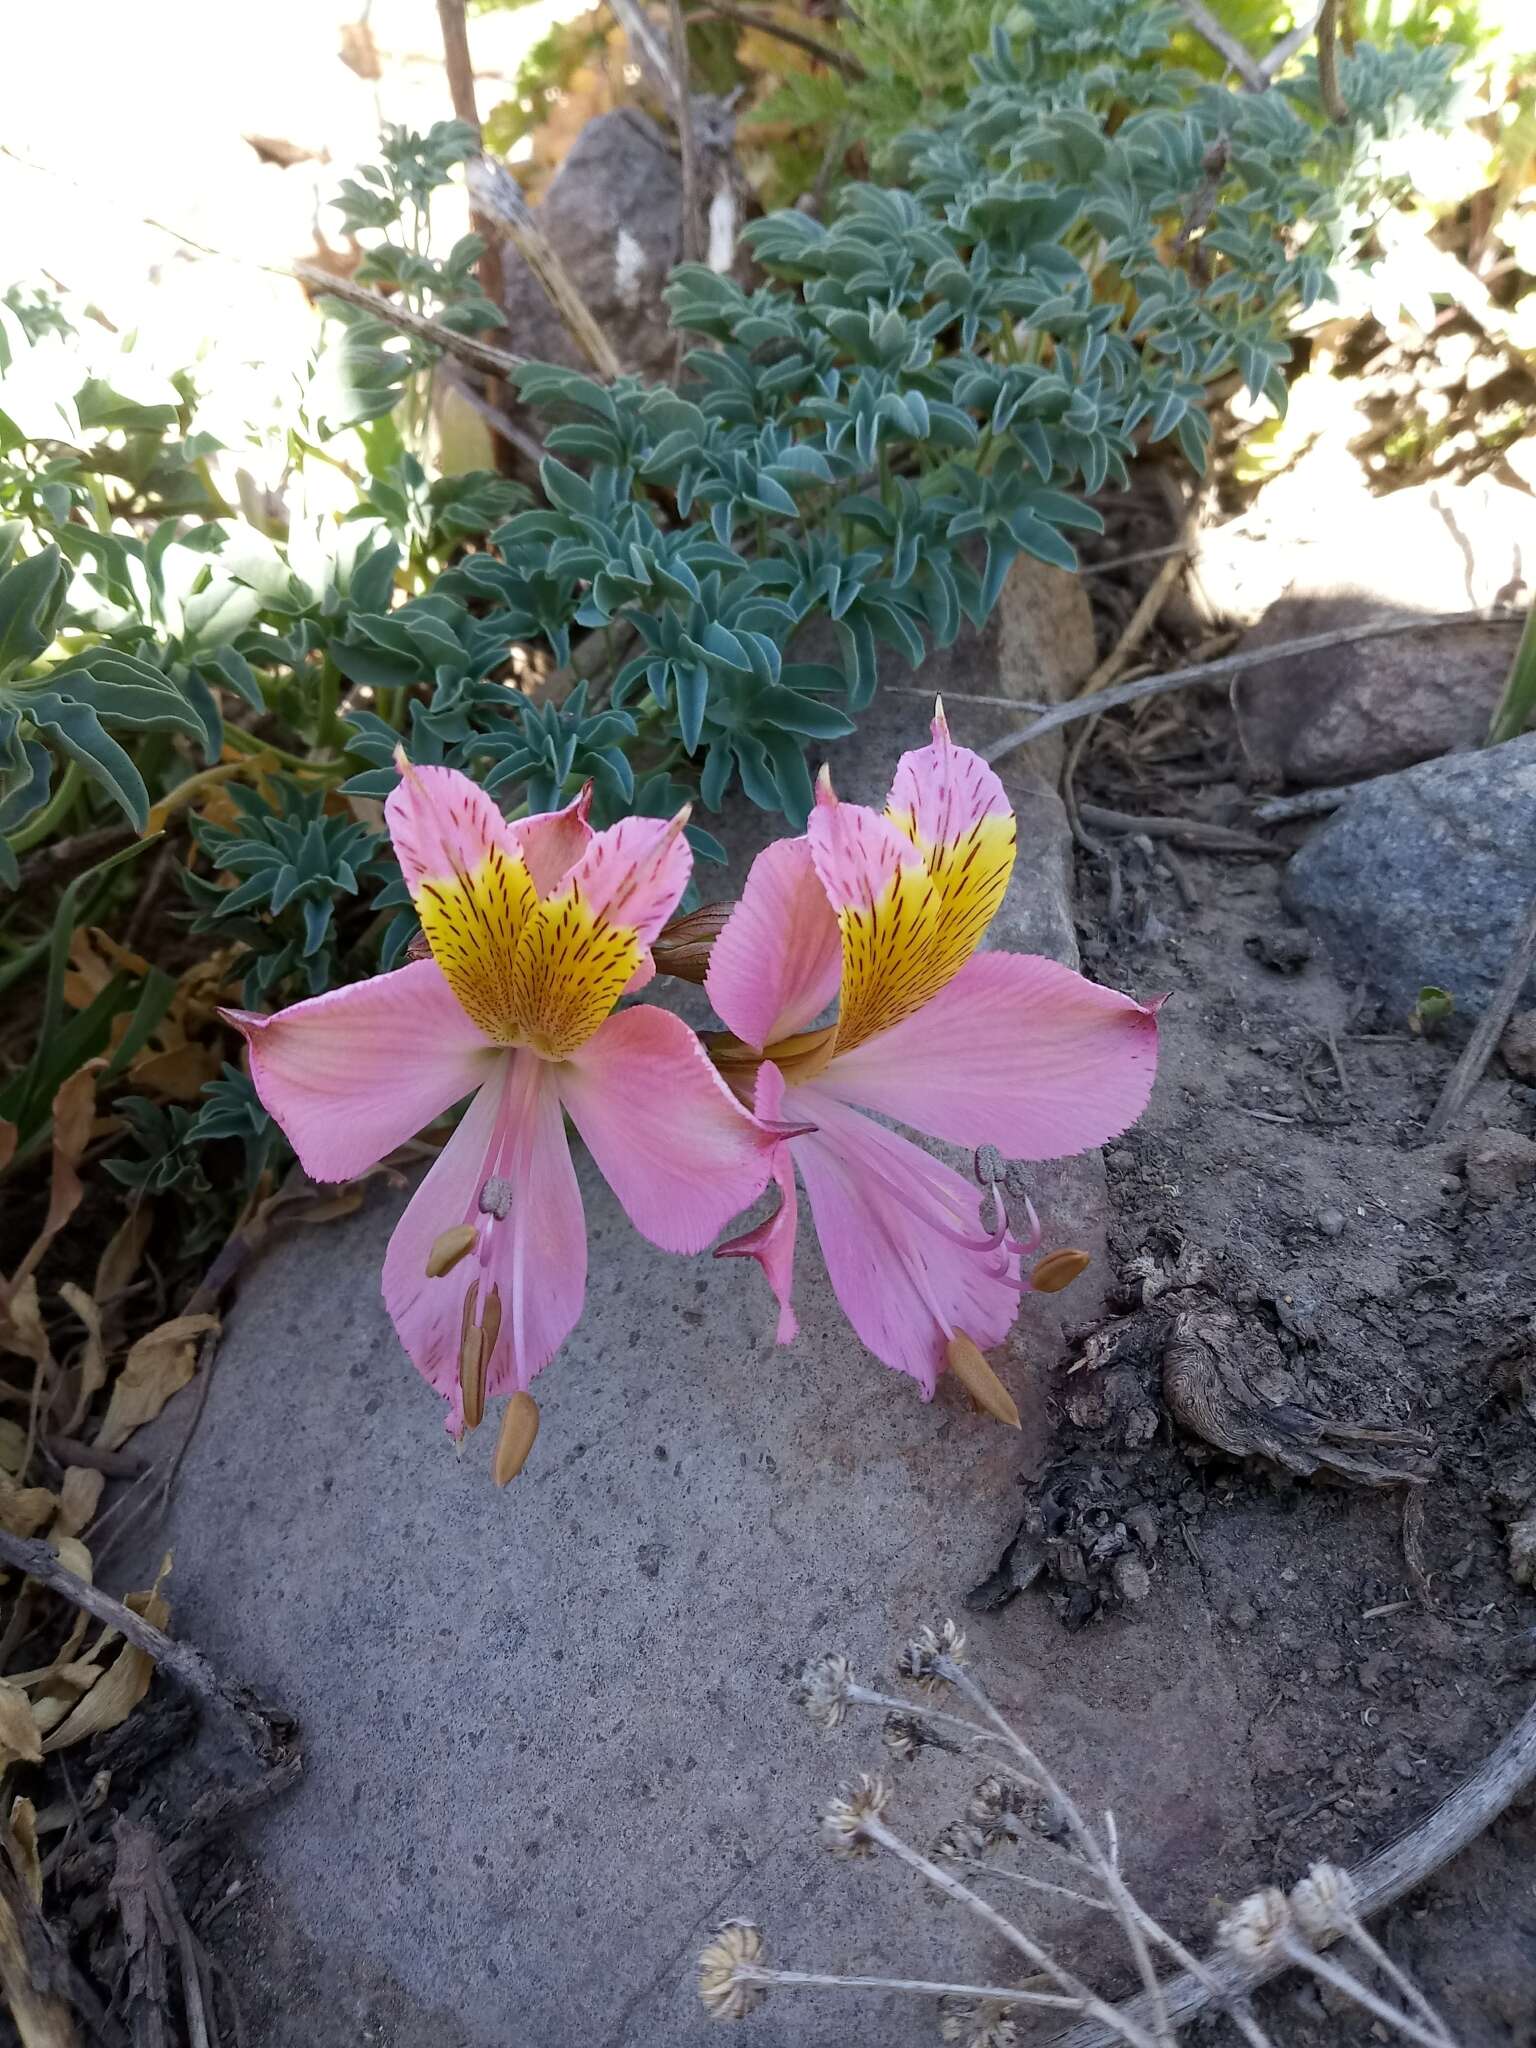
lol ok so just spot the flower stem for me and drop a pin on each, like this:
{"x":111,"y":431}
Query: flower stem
{"x":53,"y":813}
{"x":1097,"y":2008}
{"x":755,"y":1973}
{"x":1307,"y":1958}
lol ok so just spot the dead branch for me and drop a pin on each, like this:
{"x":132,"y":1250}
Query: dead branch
{"x":268,"y":1735}
{"x":504,"y":213}
{"x":694,"y":237}
{"x":1328,"y":64}
{"x":461,"y":90}
{"x":1196,"y":832}
{"x":1226,"y":45}
{"x":495,"y":362}
{"x":770,"y":25}
{"x":1231,"y":664}
{"x":1309,"y":803}
{"x":1468,"y":1070}
{"x":1380,"y":1881}
{"x":654,"y":57}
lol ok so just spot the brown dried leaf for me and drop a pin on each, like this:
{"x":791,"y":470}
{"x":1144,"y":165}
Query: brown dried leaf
{"x":159,"y":1365}
{"x":125,"y":1681}
{"x":23,"y":1847}
{"x":13,"y":1448}
{"x":177,"y":1072}
{"x":74,"y":1113}
{"x":21,"y":1325}
{"x":90,"y":1371}
{"x":119,"y":1263}
{"x":94,"y":957}
{"x":79,"y":1497}
{"x":25,"y":1509}
{"x":8,"y":1137}
{"x":20,"y":1741}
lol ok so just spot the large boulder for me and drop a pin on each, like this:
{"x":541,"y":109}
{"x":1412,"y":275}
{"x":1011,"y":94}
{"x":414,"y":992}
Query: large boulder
{"x":1423,"y":878}
{"x":614,"y":213}
{"x":547,"y":1730}
{"x":1371,"y":706}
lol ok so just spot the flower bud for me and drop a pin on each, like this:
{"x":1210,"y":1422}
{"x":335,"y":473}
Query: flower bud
{"x":519,"y":1427}
{"x":682,"y":947}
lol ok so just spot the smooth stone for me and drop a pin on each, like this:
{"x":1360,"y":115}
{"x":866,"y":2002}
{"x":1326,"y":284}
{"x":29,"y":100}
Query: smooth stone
{"x":548,"y":1737}
{"x":1421,"y":879}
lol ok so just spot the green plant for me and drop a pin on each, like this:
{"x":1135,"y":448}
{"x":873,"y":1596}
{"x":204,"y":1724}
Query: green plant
{"x":1517,"y":707}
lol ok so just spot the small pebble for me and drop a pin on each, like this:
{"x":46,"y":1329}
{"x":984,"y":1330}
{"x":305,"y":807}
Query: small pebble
{"x":1330,"y":1222}
{"x":1242,"y":1614}
{"x":1450,"y":1183}
{"x":1131,"y":1578}
{"x":1120,"y":1159}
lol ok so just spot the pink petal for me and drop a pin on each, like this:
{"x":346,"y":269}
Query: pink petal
{"x":855,"y":850}
{"x":535,"y":1256}
{"x":775,"y":966}
{"x":553,"y":841}
{"x":1016,"y":1051}
{"x":354,"y":1073}
{"x":941,"y":792}
{"x":670,"y":1139}
{"x":632,"y":874}
{"x":443,"y":825}
{"x":888,"y":1217}
{"x":772,"y":1242}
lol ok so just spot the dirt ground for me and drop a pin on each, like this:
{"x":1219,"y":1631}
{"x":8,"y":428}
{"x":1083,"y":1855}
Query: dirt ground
{"x":1279,"y":1196}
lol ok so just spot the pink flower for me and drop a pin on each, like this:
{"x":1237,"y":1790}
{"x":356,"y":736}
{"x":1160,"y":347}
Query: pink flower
{"x":885,"y":912}
{"x":535,"y":928}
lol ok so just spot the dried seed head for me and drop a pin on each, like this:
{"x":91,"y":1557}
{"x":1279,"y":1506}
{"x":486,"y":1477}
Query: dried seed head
{"x":991,"y":1799}
{"x":496,"y":1197}
{"x":1255,"y":1927}
{"x":737,"y":1945}
{"x":822,"y":1688}
{"x":961,"y":1843}
{"x":902,"y":1736}
{"x":682,"y":948}
{"x":980,"y":1381}
{"x":1059,"y":1269}
{"x":1324,"y":1903}
{"x":448,"y":1249}
{"x":844,"y":1822}
{"x":976,"y":2022}
{"x":519,"y":1427}
{"x":919,"y":1658}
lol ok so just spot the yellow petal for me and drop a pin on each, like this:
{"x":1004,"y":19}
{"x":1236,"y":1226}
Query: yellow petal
{"x":473,"y":925}
{"x":571,"y":968}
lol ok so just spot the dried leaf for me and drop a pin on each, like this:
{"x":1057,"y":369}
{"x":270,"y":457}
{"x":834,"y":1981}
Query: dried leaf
{"x":74,"y":1113}
{"x":8,"y":1137}
{"x":13,"y":1448}
{"x":94,"y":958}
{"x":118,"y":1264}
{"x":177,"y":1072}
{"x":79,"y":1497}
{"x":90,"y":1371}
{"x":19,"y":1739}
{"x":21,"y":1326}
{"x":25,"y":1509}
{"x":123,"y":1684}
{"x":23,"y":1847}
{"x":159,"y":1365}
{"x":41,"y":2020}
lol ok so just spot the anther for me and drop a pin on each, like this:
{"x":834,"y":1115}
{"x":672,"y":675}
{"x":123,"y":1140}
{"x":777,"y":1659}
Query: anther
{"x":496,"y":1197}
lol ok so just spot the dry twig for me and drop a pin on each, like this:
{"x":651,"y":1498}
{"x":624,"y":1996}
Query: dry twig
{"x":503,"y":213}
{"x":1231,"y":664}
{"x":1468,"y":1070}
{"x":496,"y":362}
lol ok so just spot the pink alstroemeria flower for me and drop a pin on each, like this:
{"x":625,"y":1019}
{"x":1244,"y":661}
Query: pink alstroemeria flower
{"x":535,"y":928}
{"x":885,"y":911}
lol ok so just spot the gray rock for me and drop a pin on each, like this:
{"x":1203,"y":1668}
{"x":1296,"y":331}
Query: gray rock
{"x":1377,"y":705}
{"x":1422,"y":878}
{"x":547,"y":1730}
{"x":614,"y":213}
{"x":1499,"y":1164}
{"x":1518,"y":1045}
